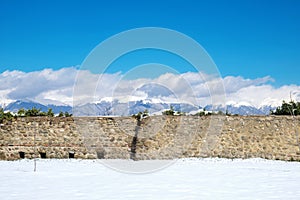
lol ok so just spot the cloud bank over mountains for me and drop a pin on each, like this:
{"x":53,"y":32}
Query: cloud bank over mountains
{"x":56,"y":87}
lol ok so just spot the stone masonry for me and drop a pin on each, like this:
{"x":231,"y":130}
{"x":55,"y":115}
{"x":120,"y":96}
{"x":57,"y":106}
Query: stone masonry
{"x":158,"y":137}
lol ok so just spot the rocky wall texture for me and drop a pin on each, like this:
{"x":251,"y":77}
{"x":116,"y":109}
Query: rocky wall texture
{"x":157,"y":137}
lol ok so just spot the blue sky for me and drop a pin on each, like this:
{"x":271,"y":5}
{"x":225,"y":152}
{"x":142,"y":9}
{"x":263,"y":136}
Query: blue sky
{"x":245,"y":38}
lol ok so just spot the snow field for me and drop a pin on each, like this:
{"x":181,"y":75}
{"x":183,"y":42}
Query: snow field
{"x":185,"y":179}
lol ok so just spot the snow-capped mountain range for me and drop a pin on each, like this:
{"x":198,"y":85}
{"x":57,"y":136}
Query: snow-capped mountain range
{"x":27,"y":104}
{"x":117,"y":108}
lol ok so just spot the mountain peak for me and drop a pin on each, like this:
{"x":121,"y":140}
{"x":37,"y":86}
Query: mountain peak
{"x":108,"y":106}
{"x":29,"y":104}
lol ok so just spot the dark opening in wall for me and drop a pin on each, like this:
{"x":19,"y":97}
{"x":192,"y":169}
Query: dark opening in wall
{"x":71,"y":154}
{"x":100,"y":153}
{"x":22,"y":154}
{"x":43,"y":155}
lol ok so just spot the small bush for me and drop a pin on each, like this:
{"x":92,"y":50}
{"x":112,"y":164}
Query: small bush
{"x":290,"y":108}
{"x":169,"y":112}
{"x":141,"y":115}
{"x":5,"y":115}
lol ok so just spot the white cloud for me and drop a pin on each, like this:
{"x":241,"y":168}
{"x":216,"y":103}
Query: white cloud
{"x":37,"y":85}
{"x":233,"y":84}
{"x":57,"y":86}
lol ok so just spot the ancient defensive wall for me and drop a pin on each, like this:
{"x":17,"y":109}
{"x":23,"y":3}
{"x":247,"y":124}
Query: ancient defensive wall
{"x":156,"y":137}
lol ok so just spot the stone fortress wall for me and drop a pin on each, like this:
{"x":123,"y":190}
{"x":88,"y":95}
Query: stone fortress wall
{"x":156,"y":137}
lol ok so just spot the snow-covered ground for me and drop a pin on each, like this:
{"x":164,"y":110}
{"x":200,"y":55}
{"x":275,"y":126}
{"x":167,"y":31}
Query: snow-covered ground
{"x":184,"y":179}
